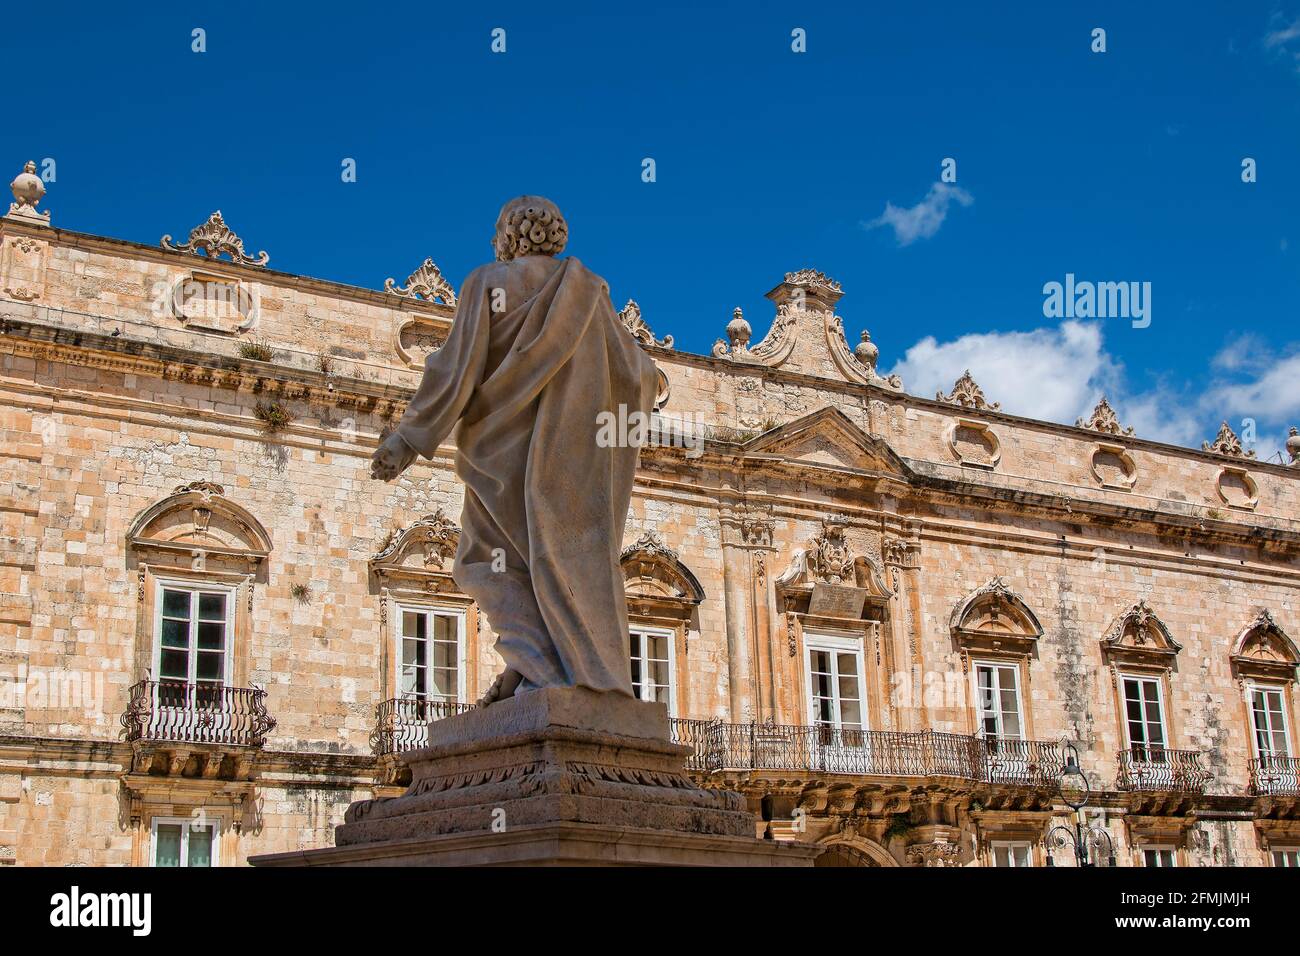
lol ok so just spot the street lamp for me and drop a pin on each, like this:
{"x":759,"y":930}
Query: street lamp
{"x":1073,"y":789}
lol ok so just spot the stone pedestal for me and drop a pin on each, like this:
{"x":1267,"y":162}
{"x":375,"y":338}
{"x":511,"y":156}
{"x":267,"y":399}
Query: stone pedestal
{"x":559,"y":776}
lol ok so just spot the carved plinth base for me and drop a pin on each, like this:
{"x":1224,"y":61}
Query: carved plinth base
{"x":561,"y":776}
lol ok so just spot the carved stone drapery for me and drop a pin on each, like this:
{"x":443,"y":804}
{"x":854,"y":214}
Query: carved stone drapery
{"x":1226,"y":443}
{"x":213,"y":239}
{"x":631,"y":318}
{"x":426,"y":283}
{"x":829,"y":562}
{"x":967,"y":394}
{"x":1104,"y":420}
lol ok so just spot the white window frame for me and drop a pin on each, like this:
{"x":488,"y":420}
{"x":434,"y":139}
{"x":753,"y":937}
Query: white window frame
{"x":1160,"y":701}
{"x":400,"y":608}
{"x":1159,"y":848}
{"x":834,"y":645}
{"x":1010,"y":845}
{"x":213,"y":823}
{"x":670,"y":638}
{"x":979,"y":707}
{"x":193,"y":586}
{"x":1280,"y":690}
{"x":1278,"y":853}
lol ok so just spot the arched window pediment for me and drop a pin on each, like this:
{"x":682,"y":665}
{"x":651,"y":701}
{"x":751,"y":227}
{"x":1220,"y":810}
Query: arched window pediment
{"x":197,"y":520}
{"x":1138,"y":636}
{"x":1263,"y":650}
{"x":425,"y":550}
{"x":656,"y":580}
{"x":994,"y":617}
{"x":829,"y":559}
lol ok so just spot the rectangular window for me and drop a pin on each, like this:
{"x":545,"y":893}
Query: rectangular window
{"x":1012,"y":854}
{"x":181,"y":842}
{"x":1159,"y":856}
{"x":1267,"y":716}
{"x":431,"y":661}
{"x":194,"y":626}
{"x":835,"y":683}
{"x":997,"y":691}
{"x":650,"y":651}
{"x":1144,"y":719}
{"x":1287,"y":856}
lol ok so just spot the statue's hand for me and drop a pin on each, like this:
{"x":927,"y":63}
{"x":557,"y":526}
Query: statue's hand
{"x":391,"y":458}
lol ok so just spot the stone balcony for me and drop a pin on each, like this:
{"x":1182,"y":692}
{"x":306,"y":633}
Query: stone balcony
{"x":737,"y":751}
{"x":401,"y":725}
{"x":1159,"y":770}
{"x":1275,"y":776}
{"x":185,"y":729}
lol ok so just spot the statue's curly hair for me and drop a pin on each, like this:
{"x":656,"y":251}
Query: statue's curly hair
{"x":530,"y":226}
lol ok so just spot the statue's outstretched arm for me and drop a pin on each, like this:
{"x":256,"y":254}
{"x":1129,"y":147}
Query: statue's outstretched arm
{"x":450,"y":377}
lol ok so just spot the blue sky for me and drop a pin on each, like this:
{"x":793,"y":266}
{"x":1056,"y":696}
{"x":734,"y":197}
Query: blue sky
{"x":1115,"y":166}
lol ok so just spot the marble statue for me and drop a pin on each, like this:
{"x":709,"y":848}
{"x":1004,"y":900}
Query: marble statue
{"x":535,"y":354}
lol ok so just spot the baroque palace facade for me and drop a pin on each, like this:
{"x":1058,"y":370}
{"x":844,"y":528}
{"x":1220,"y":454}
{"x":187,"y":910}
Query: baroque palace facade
{"x":882,"y":618}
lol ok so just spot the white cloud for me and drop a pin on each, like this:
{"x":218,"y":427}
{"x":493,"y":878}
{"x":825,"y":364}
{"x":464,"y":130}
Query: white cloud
{"x":1283,"y":35}
{"x":1058,"y":374}
{"x":924,"y":219}
{"x":1049,"y":374}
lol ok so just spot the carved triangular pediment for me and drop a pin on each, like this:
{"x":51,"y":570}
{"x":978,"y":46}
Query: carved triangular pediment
{"x":828,"y":438}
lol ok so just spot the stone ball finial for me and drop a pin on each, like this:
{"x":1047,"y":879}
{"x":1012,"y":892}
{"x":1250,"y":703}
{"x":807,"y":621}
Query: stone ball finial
{"x":28,"y":190}
{"x":1293,"y":445}
{"x":738,"y":330}
{"x":529,"y":226}
{"x":866,"y":351}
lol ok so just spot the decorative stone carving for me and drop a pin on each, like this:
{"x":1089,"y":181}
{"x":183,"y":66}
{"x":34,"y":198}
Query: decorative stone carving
{"x":214,"y":239}
{"x":634,"y":323}
{"x":1113,"y":467}
{"x":1139,"y":636}
{"x":197,"y":527}
{"x":858,"y":365}
{"x":1264,"y":651}
{"x":995,"y":617}
{"x":416,"y":338}
{"x":1293,"y":445}
{"x":1104,"y":420}
{"x":974,"y":443}
{"x":435,"y":536}
{"x":658,"y":584}
{"x":1226,"y":443}
{"x":967,"y":394}
{"x":736,"y":347}
{"x":934,"y":854}
{"x":829,"y":557}
{"x":425,"y":283}
{"x":22,"y":263}
{"x":28,"y":190}
{"x":1236,"y":488}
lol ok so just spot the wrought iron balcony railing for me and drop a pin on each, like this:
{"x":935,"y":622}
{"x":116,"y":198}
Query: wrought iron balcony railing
{"x":402,"y":723}
{"x":1158,"y":769}
{"x":198,"y":713}
{"x":1275,"y":775}
{"x":818,"y":749}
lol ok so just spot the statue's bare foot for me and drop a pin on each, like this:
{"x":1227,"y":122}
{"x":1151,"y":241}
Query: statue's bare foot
{"x":502,"y":688}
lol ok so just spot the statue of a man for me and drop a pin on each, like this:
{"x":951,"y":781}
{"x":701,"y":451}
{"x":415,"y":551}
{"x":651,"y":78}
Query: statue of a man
{"x":536,"y":353}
